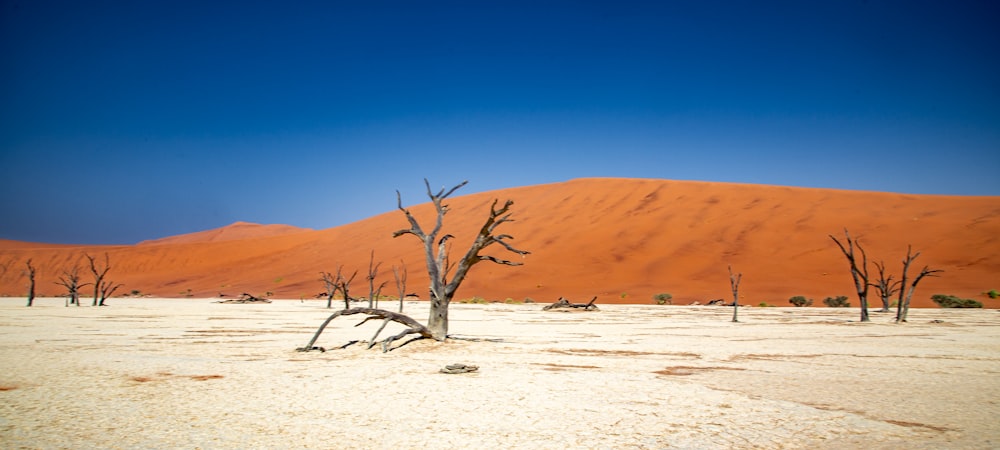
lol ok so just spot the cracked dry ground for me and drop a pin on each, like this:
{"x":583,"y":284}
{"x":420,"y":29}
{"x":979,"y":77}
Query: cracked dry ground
{"x":189,"y":373}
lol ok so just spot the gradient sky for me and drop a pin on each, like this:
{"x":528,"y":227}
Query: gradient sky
{"x":132,"y":120}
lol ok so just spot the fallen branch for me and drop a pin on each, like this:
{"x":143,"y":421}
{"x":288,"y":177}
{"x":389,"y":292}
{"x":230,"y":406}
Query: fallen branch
{"x":245,"y":298}
{"x":563,"y":303}
{"x":413,"y":327}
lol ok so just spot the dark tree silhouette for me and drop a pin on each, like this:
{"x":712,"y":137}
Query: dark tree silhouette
{"x":400,"y":275}
{"x":734,"y":284}
{"x":885,"y":286}
{"x":30,"y":271}
{"x":373,"y":292}
{"x":70,"y":279}
{"x":903,"y":304}
{"x":859,"y":273}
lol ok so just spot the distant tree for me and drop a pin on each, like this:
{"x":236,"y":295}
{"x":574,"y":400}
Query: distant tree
{"x":70,"y":279}
{"x":102,"y":288}
{"x":30,"y":271}
{"x":800,"y":301}
{"x":734,"y":284}
{"x":859,"y":273}
{"x":330,"y":286}
{"x":839,"y":301}
{"x":663,"y":298}
{"x":885,"y":286}
{"x":951,"y":301}
{"x":400,"y":275}
{"x":373,"y":292}
{"x":108,"y":289}
{"x":903,"y":305}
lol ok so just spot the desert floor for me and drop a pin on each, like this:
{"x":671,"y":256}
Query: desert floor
{"x":158,"y":373}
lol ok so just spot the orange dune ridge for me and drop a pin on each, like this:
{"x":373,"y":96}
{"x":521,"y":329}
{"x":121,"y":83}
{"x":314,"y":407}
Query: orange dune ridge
{"x":622,"y":240}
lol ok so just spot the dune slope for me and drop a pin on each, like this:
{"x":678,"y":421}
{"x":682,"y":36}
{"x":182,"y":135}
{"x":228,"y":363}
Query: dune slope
{"x":622,"y":240}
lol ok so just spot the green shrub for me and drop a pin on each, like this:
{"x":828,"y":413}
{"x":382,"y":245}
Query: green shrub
{"x":839,"y":301}
{"x":800,"y":301}
{"x":764,"y":305}
{"x":950,"y":301}
{"x":993,"y":293}
{"x":663,"y":298}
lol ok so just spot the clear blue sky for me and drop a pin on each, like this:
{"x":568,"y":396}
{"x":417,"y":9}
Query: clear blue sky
{"x":132,"y":120}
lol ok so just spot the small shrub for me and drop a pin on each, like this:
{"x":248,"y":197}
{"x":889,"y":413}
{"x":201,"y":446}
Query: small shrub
{"x":800,"y":301}
{"x":764,"y":305}
{"x":663,"y":298}
{"x":950,"y":301}
{"x":478,"y":300}
{"x":839,"y":301}
{"x":529,"y":300}
{"x":993,"y":293}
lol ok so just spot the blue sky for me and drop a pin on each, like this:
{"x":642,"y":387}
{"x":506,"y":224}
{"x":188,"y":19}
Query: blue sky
{"x":132,"y":120}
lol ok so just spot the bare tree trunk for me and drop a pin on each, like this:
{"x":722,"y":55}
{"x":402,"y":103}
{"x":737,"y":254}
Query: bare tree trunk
{"x":99,"y":274}
{"x":438,"y":267}
{"x":330,"y":285}
{"x":372,"y":272}
{"x":860,"y":274}
{"x":108,"y":289}
{"x":71,"y":281}
{"x":400,"y":276}
{"x":344,"y":284}
{"x":903,"y":304}
{"x":31,"y":282}
{"x":885,"y":286}
{"x":734,"y":284}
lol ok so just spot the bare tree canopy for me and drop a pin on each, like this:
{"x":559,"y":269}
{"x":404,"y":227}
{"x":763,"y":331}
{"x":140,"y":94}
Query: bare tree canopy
{"x":399,"y":273}
{"x":438,"y":268}
{"x":858,"y":273}
{"x":734,"y":285}
{"x":436,"y":252}
{"x":885,"y":286}
{"x":903,"y":304}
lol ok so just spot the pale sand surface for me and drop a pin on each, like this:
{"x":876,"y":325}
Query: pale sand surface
{"x":156,"y":373}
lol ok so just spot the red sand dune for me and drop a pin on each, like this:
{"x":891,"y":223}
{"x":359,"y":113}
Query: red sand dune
{"x":623,"y":240}
{"x":233,"y":232}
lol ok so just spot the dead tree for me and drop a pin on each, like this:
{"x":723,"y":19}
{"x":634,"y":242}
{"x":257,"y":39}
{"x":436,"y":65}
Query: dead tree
{"x":108,"y":289}
{"x":30,"y":271}
{"x":99,"y":274}
{"x":344,"y":285}
{"x":885,"y":286}
{"x":330,"y":285}
{"x":564,"y":303}
{"x":400,"y":275}
{"x":70,"y":279}
{"x":438,"y":268}
{"x":373,"y":293}
{"x":734,"y":284}
{"x":333,"y":283}
{"x":903,"y":304}
{"x":860,"y":274}
{"x":436,"y":252}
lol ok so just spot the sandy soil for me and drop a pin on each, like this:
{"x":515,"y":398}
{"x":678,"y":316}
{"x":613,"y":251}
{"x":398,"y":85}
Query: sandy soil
{"x":156,"y":373}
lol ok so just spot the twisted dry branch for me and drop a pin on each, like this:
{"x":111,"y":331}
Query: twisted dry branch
{"x":413,"y":327}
